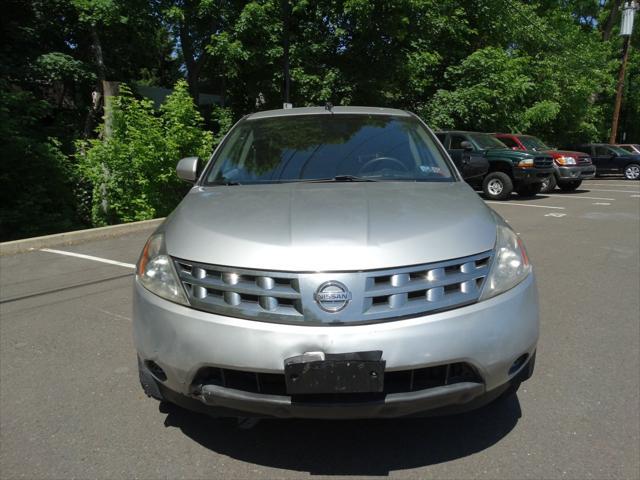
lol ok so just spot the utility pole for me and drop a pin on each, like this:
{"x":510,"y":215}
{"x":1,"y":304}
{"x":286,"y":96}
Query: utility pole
{"x":626,"y":28}
{"x":286,"y":25}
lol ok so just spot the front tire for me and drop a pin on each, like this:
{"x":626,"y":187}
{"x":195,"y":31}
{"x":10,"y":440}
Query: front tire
{"x":497,"y":186}
{"x":570,"y":186}
{"x":148,"y":383}
{"x":549,"y":184}
{"x":632,"y":171}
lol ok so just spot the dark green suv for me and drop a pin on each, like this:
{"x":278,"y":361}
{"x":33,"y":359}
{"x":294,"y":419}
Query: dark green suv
{"x":509,"y":170}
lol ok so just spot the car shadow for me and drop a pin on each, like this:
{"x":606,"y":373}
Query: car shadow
{"x":540,"y":196}
{"x":572,"y":192}
{"x":351,"y":447}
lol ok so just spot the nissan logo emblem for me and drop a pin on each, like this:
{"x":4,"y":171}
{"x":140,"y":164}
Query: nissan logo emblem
{"x":332,"y":296}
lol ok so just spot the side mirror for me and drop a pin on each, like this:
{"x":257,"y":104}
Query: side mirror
{"x":466,"y":145}
{"x":188,"y":169}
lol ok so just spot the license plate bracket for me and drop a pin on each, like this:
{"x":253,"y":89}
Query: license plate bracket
{"x":320,"y":373}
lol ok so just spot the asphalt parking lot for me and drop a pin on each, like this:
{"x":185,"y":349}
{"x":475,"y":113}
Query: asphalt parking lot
{"x":71,"y":405}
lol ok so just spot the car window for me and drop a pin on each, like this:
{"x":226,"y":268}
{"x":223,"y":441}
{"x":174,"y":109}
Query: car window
{"x":617,"y":150}
{"x":486,"y":141}
{"x":456,"y":142}
{"x":442,"y":137}
{"x":308,"y":147}
{"x":533,"y":143}
{"x":509,"y":142}
{"x":602,"y":150}
{"x":579,"y":148}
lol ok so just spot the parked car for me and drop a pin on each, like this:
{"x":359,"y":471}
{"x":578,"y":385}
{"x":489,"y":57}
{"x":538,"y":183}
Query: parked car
{"x":569,"y":168}
{"x":509,"y":170}
{"x":612,"y":159}
{"x":473,"y":166}
{"x":632,"y":148}
{"x":332,"y":264}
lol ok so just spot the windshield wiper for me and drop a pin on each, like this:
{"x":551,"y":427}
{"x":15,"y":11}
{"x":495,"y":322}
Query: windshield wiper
{"x":224,"y":183}
{"x":341,"y":178}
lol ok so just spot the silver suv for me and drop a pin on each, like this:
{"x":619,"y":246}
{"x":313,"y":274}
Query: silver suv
{"x":331,"y":263}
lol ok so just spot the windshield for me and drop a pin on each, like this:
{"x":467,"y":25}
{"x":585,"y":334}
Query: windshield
{"x":618,"y":150}
{"x":316,"y":147}
{"x":485,"y":141}
{"x":533,"y":143}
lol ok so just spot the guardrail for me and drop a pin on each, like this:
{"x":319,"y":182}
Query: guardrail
{"x":77,"y":236}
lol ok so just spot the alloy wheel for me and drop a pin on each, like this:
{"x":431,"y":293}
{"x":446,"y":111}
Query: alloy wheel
{"x":632,"y":172}
{"x":495,"y":187}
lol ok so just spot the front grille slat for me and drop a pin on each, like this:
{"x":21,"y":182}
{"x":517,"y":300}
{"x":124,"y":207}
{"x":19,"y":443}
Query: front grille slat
{"x":434,"y":287}
{"x":543,"y":161}
{"x":384,"y":295}
{"x":243,"y":288}
{"x":416,"y":285}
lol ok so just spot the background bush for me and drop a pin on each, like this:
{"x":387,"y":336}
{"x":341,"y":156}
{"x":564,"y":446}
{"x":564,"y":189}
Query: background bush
{"x":36,"y":180}
{"x":544,"y":67}
{"x":132,"y":167}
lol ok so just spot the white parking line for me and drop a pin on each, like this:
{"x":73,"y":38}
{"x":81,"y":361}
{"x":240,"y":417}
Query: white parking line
{"x":619,"y":191}
{"x":89,"y":257}
{"x":624,"y":184}
{"x":574,"y":196}
{"x":524,"y":205}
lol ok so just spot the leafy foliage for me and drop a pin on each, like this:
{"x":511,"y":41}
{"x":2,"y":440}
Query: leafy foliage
{"x":133,"y":169}
{"x":35,"y":187}
{"x":545,"y":67}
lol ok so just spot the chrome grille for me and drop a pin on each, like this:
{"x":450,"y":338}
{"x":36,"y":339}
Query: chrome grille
{"x":377,"y":295}
{"x":425,"y":288}
{"x":543,"y":161}
{"x":240,"y":292}
{"x":584,"y":161}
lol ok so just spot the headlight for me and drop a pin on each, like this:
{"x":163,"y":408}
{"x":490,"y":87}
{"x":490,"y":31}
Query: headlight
{"x":156,"y":272}
{"x":565,"y":160}
{"x":528,"y":163}
{"x":510,"y":265}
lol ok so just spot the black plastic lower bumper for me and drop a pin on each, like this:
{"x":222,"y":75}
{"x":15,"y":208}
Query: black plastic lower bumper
{"x":455,"y":398}
{"x":531,"y":175}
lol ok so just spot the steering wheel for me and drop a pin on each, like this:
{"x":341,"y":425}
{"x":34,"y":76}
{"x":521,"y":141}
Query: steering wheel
{"x":373,"y":161}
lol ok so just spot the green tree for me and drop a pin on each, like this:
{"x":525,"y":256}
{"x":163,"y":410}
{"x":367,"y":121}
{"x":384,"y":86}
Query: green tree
{"x":133,"y":170}
{"x":36,"y":187}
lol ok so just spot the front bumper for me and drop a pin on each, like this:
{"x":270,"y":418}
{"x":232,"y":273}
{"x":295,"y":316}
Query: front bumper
{"x":575,"y":172}
{"x":531,"y":175}
{"x":489,"y":335}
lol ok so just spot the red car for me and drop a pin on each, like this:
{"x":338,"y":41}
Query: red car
{"x":569,"y":168}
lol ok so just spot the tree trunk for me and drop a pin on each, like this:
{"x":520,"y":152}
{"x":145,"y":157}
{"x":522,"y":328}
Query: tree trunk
{"x":611,"y":20}
{"x":97,"y":94}
{"x":110,"y":89}
{"x":193,"y":65}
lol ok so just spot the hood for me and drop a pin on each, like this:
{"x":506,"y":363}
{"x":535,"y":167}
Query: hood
{"x":329,"y":226}
{"x":512,"y":154}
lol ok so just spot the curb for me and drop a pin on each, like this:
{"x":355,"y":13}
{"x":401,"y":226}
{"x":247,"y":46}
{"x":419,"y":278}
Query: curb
{"x":78,"y":236}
